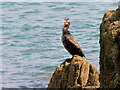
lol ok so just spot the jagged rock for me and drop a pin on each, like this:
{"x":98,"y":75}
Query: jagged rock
{"x":110,"y":50}
{"x":75,"y":73}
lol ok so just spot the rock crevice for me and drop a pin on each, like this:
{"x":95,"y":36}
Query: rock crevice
{"x":110,"y":49}
{"x":79,"y":73}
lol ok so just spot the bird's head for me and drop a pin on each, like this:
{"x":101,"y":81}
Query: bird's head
{"x":67,"y":22}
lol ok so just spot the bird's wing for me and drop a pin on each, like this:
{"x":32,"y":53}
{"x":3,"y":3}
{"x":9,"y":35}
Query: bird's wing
{"x":73,"y":43}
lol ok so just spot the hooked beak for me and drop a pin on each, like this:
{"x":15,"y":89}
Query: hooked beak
{"x":66,"y":23}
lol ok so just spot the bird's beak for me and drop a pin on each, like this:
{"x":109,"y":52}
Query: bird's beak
{"x":66,"y":23}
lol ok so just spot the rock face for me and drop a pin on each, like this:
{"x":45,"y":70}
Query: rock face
{"x":110,"y":50}
{"x":75,"y":73}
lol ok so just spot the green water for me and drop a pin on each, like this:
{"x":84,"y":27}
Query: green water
{"x":31,"y":39}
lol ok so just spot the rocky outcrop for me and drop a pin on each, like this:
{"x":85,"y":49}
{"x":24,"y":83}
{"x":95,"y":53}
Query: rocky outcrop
{"x":75,"y":73}
{"x":110,"y":50}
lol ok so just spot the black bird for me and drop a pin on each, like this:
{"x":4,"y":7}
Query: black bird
{"x":69,"y":41}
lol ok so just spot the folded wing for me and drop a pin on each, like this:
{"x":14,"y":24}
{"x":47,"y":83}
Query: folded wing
{"x":72,"y":45}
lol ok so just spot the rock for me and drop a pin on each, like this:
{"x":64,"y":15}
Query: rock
{"x":110,"y":50}
{"x":75,"y":73}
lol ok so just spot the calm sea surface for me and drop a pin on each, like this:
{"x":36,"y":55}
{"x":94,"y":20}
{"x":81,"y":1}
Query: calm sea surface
{"x":31,"y":39}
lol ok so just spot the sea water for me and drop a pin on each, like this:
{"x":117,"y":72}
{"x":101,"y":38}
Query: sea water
{"x":31,"y":38}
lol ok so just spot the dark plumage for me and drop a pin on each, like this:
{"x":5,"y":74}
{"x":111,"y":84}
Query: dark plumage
{"x":69,"y":41}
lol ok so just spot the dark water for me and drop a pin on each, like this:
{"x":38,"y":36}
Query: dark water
{"x":31,"y":39}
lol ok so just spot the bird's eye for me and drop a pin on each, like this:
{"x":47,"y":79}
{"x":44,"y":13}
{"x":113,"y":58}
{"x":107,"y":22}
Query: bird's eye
{"x":68,"y":20}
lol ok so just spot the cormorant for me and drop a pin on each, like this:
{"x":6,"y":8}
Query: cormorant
{"x":69,"y":41}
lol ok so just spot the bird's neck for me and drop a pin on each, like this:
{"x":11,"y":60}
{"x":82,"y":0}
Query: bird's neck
{"x":65,"y":29}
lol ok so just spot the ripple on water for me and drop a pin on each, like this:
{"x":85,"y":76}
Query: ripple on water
{"x":6,"y":28}
{"x":4,"y":72}
{"x":77,"y":4}
{"x":39,"y":20}
{"x":35,"y":50}
{"x":11,"y":44}
{"x":22,"y":16}
{"x":49,"y":68}
{"x":47,"y":27}
{"x":36,"y":26}
{"x":26,"y":27}
{"x":18,"y":73}
{"x":94,"y":51}
{"x":18,"y":36}
{"x":34,"y":3}
{"x":23,"y":87}
{"x":60,"y":8}
{"x":52,"y":6}
{"x":33,"y":11}
{"x":30,"y":50}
